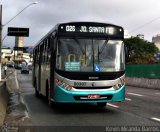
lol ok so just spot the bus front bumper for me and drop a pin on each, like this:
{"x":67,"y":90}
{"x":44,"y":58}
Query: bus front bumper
{"x":63,"y":96}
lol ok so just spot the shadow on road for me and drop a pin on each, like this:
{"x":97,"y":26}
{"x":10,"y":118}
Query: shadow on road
{"x":81,"y":108}
{"x":40,"y":105}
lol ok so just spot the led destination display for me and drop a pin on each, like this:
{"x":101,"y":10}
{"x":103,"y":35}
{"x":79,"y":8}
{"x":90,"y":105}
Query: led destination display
{"x":96,"y":29}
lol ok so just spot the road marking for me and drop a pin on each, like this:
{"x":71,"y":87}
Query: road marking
{"x":127,"y":99}
{"x":135,"y":94}
{"x":115,"y":106}
{"x":156,"y":119}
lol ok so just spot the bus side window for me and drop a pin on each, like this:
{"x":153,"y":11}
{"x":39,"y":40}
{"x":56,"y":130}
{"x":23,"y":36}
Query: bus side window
{"x":41,"y":53}
{"x":53,"y":40}
{"x":45,"y":51}
{"x":36,"y":56}
{"x":48,"y":52}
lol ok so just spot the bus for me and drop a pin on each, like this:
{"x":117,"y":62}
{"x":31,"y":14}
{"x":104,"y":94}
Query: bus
{"x":80,"y":62}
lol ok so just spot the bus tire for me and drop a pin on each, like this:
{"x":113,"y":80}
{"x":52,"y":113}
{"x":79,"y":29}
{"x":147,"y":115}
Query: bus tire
{"x":53,"y":104}
{"x":50,"y":103}
{"x":37,"y":93}
{"x":101,"y":104}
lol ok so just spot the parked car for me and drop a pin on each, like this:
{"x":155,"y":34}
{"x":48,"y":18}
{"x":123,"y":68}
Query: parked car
{"x":10,"y":64}
{"x":24,"y":68}
{"x":18,"y":64}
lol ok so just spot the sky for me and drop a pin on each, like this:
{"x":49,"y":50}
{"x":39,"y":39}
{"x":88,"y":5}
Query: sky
{"x":136,"y":16}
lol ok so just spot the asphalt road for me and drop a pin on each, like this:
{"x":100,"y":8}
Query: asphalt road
{"x":141,"y":108}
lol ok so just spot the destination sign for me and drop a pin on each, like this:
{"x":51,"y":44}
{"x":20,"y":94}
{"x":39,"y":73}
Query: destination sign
{"x":108,"y":30}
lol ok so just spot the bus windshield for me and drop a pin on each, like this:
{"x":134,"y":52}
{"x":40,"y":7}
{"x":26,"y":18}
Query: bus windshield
{"x":90,"y":55}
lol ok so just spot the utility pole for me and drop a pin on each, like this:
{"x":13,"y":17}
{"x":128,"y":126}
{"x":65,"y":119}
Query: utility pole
{"x":1,"y":27}
{"x":0,"y":42}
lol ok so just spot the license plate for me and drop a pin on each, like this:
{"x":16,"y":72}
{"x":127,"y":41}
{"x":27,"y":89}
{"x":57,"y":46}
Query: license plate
{"x":93,"y":96}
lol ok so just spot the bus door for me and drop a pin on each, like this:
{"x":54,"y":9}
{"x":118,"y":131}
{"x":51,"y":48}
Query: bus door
{"x":39,"y":73}
{"x":52,"y":43}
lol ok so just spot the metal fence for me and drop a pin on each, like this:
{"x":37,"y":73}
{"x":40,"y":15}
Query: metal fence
{"x":143,"y":70}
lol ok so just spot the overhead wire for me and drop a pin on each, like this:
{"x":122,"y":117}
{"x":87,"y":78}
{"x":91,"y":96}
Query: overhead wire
{"x":138,"y":28}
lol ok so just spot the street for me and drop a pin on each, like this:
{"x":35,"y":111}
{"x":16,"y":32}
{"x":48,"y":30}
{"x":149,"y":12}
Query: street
{"x":141,"y":107}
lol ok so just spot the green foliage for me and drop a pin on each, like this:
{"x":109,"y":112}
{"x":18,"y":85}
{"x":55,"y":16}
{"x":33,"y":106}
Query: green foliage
{"x":140,"y":51}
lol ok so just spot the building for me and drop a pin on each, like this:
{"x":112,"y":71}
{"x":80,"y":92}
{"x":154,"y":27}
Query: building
{"x":156,"y":40}
{"x":126,"y":34}
{"x":7,"y":54}
{"x":19,"y":41}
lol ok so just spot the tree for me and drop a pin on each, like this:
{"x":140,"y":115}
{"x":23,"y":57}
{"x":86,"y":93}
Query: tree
{"x":140,"y":51}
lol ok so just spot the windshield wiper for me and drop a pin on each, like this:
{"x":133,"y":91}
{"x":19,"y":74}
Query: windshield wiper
{"x":83,"y":51}
{"x":101,"y":50}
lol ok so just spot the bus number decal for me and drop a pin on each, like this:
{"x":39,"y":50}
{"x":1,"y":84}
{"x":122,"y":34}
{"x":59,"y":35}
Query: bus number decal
{"x":70,"y":28}
{"x":80,"y":84}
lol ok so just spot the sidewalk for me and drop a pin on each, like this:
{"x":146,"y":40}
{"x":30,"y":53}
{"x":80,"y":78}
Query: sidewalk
{"x":17,"y":114}
{"x":16,"y":111}
{"x":3,"y":97}
{"x":3,"y":102}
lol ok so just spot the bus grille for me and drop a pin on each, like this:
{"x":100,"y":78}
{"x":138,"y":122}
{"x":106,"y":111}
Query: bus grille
{"x":107,"y":87}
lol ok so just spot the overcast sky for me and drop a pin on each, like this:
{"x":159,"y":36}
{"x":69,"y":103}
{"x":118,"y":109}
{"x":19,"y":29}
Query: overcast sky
{"x":41,"y":17}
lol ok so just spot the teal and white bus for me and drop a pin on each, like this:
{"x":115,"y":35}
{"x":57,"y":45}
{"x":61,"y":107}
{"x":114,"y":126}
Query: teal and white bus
{"x":81,"y":62}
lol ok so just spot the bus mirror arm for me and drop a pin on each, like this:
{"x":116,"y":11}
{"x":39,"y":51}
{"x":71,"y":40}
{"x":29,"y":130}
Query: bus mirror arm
{"x":126,"y":52}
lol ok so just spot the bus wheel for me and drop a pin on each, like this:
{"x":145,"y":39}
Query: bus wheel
{"x":101,"y":104}
{"x":50,"y":103}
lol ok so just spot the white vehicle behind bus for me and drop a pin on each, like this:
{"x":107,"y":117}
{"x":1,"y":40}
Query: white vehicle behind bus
{"x":24,"y":68}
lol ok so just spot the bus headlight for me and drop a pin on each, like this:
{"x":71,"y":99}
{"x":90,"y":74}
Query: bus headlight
{"x":63,"y":85}
{"x":119,"y":85}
